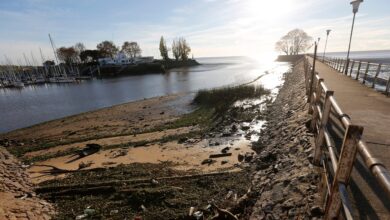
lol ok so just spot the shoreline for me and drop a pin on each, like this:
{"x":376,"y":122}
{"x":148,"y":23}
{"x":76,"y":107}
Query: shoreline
{"x":145,"y":135}
{"x":95,"y":110}
{"x":161,"y":139}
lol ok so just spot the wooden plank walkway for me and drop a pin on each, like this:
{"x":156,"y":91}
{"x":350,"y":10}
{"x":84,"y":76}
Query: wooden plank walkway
{"x":370,"y":109}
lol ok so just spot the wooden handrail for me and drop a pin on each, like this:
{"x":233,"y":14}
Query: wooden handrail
{"x":352,"y":140}
{"x":339,"y":64}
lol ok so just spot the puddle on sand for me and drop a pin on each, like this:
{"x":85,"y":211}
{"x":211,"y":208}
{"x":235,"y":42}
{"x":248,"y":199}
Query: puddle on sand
{"x":186,"y":156}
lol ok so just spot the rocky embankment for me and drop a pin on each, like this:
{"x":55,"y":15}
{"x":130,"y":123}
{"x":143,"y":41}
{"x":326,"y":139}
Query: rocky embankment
{"x":285,"y":181}
{"x":17,"y":198}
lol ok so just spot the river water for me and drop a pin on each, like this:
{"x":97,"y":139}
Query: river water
{"x":35,"y":104}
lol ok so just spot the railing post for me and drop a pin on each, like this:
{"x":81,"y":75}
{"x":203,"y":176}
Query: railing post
{"x":352,"y":65}
{"x":321,"y":133}
{"x":347,"y":158}
{"x":346,"y":65}
{"x":333,"y":62}
{"x":388,"y":86}
{"x":312,"y":73}
{"x":340,"y":64}
{"x":313,"y":104}
{"x":358,"y":70}
{"x":365,"y":74}
{"x":378,"y":70}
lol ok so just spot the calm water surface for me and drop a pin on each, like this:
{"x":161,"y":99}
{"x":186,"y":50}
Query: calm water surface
{"x":35,"y":104}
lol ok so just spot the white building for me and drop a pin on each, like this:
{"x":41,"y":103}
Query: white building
{"x":122,"y":59}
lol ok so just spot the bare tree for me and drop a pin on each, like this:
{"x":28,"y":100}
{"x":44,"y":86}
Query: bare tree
{"x":180,"y":49}
{"x":184,"y":49}
{"x":163,"y":49}
{"x":294,"y":42}
{"x":132,"y":49}
{"x":79,"y":47}
{"x":107,"y":48}
{"x":175,"y":50}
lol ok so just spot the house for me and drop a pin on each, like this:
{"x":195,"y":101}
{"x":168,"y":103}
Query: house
{"x":122,"y":59}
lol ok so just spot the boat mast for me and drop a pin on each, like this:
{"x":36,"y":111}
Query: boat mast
{"x":43,"y":61}
{"x":54,"y":49}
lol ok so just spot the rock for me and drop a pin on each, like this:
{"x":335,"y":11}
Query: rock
{"x":114,"y":211}
{"x":225,"y":150}
{"x":245,"y":127}
{"x":240,"y":157}
{"x":316,"y":211}
{"x":248,"y":157}
{"x":161,"y":113}
{"x":227,"y":134}
{"x":83,"y":165}
{"x":288,"y":204}
{"x":208,"y":161}
{"x":182,"y":140}
{"x":292,"y":212}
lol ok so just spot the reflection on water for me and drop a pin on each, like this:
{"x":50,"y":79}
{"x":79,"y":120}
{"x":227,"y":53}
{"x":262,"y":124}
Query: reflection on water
{"x":35,"y":104}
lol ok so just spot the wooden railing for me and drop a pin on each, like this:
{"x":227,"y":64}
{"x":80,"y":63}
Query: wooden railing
{"x":375,"y":75}
{"x":337,"y":142}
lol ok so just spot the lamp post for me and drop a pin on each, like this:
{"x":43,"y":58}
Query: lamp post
{"x":326,"y":43}
{"x":355,"y":7}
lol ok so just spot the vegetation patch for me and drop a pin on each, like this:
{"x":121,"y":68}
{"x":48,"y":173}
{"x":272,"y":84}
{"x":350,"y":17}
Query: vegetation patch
{"x":221,"y":99}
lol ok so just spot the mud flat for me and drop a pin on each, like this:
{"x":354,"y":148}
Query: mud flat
{"x":147,"y":158}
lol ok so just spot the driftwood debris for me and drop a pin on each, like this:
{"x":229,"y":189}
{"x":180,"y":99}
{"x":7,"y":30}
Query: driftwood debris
{"x":54,"y":170}
{"x":222,"y":214}
{"x":121,"y":182}
{"x":220,"y":155}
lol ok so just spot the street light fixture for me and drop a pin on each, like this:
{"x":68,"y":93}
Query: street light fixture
{"x":355,"y":7}
{"x":326,"y":43}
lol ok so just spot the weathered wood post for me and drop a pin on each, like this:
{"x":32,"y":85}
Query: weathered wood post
{"x":358,"y":70}
{"x":345,"y":71}
{"x":365,"y":74}
{"x":352,"y":65}
{"x":347,"y":158}
{"x":378,"y":70}
{"x":339,"y":67}
{"x":312,"y":73}
{"x":321,"y":133}
{"x":314,"y":103}
{"x":388,"y":86}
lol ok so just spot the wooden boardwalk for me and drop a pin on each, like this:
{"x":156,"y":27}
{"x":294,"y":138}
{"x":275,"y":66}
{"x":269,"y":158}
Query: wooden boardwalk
{"x":370,"y":109}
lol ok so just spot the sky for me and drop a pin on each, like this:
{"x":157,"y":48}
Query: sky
{"x":211,"y":27}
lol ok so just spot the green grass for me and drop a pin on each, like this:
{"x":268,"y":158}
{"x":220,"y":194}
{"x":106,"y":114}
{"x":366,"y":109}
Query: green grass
{"x":221,"y":99}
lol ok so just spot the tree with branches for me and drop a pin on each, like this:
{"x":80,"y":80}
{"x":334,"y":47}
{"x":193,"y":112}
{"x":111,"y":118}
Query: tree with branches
{"x":131,"y":49}
{"x":67,"y":55}
{"x":107,"y":49}
{"x":180,"y":49}
{"x":294,"y":42}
